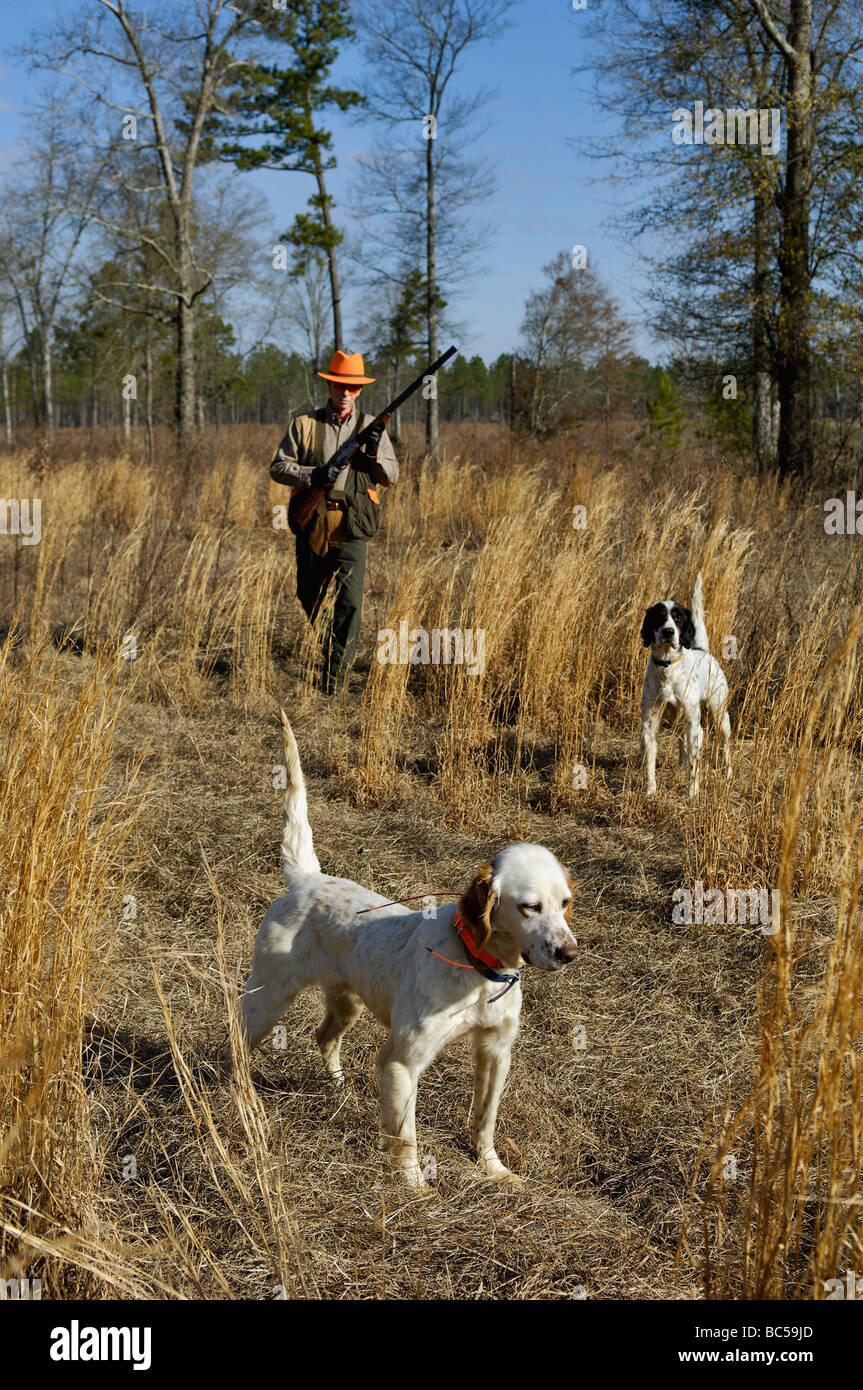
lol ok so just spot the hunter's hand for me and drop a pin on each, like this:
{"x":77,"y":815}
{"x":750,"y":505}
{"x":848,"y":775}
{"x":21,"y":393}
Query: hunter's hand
{"x":372,"y":441}
{"x":325,"y":475}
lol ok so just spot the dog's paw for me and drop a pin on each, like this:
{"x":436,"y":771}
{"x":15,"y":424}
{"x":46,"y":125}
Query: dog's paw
{"x":500,"y":1174}
{"x":509,"y":1178}
{"x":490,"y":1167}
{"x":409,"y":1174}
{"x":412,"y":1177}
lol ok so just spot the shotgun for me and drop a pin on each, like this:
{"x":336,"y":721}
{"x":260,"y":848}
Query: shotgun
{"x":304,"y":502}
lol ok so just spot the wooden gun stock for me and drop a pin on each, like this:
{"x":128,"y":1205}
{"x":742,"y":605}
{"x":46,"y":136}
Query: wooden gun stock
{"x":303,"y":505}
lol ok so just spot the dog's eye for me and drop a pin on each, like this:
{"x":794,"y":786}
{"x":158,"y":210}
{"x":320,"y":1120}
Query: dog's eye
{"x":565,"y":904}
{"x":676,"y":613}
{"x":530,"y":907}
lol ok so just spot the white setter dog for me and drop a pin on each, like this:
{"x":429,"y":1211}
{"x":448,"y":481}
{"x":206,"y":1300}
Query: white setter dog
{"x":681,"y":675}
{"x":429,"y":977}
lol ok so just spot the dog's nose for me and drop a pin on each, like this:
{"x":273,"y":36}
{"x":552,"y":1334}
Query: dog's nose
{"x":566,"y":953}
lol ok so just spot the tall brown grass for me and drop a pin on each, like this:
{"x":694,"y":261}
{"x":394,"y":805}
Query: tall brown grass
{"x":198,"y":575}
{"x":783,"y":1199}
{"x":65,"y":823}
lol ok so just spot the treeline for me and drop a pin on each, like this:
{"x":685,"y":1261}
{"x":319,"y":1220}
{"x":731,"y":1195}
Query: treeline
{"x":136,"y":262}
{"x":264,"y":387}
{"x":574,"y":362}
{"x":745,"y":118}
{"x":269,"y":384}
{"x":125,"y":243}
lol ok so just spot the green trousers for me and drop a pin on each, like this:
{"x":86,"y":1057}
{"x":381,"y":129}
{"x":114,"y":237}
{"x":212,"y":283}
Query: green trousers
{"x":345,"y":566}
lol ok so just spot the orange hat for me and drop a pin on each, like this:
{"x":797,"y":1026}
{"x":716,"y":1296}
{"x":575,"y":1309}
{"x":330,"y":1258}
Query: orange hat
{"x":347,"y":368}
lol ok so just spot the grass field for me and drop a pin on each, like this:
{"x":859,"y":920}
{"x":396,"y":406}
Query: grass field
{"x":702,"y":1134}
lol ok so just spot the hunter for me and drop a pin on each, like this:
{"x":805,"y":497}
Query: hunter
{"x":335,"y":511}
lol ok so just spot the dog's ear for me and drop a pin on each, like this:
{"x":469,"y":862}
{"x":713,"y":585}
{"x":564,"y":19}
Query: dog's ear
{"x":651,"y":623}
{"x":568,"y":913}
{"x":477,"y":903}
{"x":687,"y":627}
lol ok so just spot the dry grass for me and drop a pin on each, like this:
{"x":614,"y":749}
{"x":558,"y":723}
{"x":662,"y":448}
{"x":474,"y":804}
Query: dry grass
{"x":796,"y":1223}
{"x":127,"y":1170}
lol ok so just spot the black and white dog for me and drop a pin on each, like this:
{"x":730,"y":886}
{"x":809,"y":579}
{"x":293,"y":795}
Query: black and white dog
{"x":681,"y":675}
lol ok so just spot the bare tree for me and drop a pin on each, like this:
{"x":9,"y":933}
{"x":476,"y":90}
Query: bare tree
{"x":746,"y":229}
{"x":577,"y":347}
{"x":41,"y":239}
{"x":5,"y":305}
{"x":306,"y":310}
{"x":393,"y":323}
{"x":126,"y":284}
{"x":180,"y":58}
{"x":713,"y":282}
{"x":424,"y":187}
{"x":795,"y":353}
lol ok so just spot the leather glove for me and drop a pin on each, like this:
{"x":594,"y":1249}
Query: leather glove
{"x":325,"y":474}
{"x":372,"y":440}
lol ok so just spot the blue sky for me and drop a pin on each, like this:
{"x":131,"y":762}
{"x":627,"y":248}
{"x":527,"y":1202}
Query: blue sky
{"x":548,"y":194}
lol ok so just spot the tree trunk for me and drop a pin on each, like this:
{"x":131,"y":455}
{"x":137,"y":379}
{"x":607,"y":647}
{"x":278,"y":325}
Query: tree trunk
{"x":762,"y":411}
{"x":795,"y":362}
{"x":35,"y":395}
{"x":431,"y":301}
{"x":148,"y":396}
{"x":7,"y":405}
{"x":30,"y":354}
{"x":47,"y":382}
{"x":537,"y":394}
{"x":335,"y":287}
{"x":184,"y":401}
{"x":184,"y":408}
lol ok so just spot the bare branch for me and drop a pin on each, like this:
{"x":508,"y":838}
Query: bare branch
{"x":773,"y":32}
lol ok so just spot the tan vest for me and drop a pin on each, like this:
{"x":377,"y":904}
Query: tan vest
{"x":329,"y":528}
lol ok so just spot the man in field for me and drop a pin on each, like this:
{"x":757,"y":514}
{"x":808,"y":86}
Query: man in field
{"x":335,"y":511}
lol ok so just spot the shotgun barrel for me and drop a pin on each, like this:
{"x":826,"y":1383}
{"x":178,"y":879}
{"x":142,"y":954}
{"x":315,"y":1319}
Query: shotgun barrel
{"x":406,"y":394}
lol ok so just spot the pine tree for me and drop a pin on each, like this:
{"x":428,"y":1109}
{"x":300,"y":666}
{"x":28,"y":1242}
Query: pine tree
{"x":667,"y":416}
{"x":278,"y":107}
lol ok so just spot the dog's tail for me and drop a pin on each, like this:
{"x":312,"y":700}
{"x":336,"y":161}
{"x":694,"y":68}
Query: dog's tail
{"x":298,"y":854}
{"x":702,"y":641}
